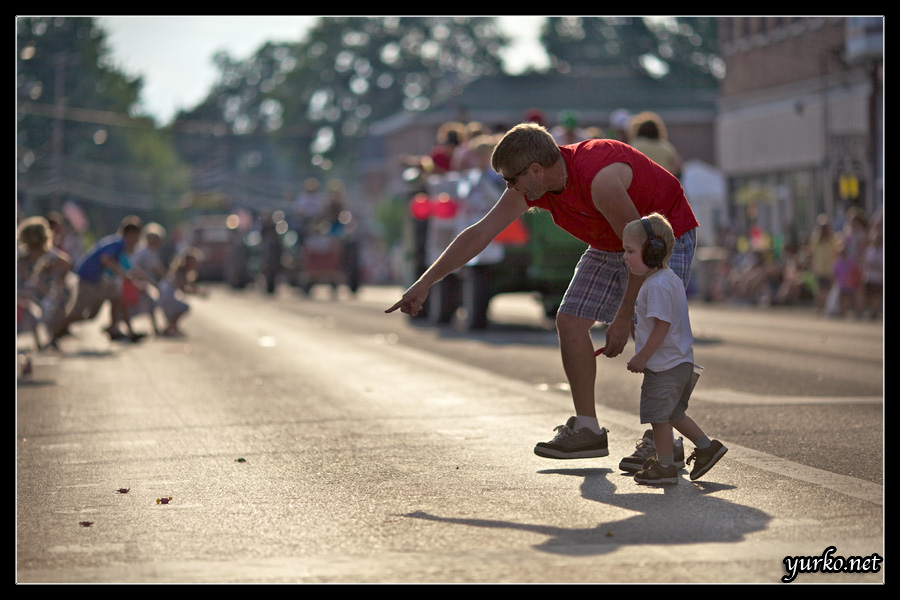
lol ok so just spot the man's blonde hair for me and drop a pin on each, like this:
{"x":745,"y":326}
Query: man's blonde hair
{"x":522,"y":145}
{"x":661,"y":229}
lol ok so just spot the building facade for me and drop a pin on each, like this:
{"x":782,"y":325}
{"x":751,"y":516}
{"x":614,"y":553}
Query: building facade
{"x":799,"y":123}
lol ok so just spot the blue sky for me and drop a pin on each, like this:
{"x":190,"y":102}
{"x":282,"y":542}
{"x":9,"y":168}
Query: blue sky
{"x":174,"y":53}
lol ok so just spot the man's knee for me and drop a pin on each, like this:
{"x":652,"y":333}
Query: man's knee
{"x":568,"y":325}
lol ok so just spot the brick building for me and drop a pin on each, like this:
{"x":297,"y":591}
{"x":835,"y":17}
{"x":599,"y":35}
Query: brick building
{"x":800,"y":118}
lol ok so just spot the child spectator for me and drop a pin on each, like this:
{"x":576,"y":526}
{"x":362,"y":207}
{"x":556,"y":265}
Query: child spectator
{"x":847,"y":278}
{"x":873,"y":274}
{"x":148,"y":265}
{"x":180,"y":280}
{"x":34,"y":243}
{"x":100,"y":272}
{"x":823,"y":251}
{"x":664,"y":353}
{"x":855,"y":240}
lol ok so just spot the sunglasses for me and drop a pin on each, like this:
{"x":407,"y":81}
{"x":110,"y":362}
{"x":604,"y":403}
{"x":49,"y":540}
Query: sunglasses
{"x":512,"y":180}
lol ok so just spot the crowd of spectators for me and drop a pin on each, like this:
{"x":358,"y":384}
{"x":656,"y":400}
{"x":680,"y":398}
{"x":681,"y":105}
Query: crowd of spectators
{"x":837,"y":270}
{"x":59,"y":285}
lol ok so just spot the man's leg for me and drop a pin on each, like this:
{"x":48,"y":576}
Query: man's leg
{"x":593,"y":295}
{"x":579,"y":362}
{"x":581,"y":436}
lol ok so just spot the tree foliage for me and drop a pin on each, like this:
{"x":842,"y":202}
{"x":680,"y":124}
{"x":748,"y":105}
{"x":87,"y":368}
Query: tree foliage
{"x":676,"y":48}
{"x":318,"y":95}
{"x":63,"y":62}
{"x":77,"y":113}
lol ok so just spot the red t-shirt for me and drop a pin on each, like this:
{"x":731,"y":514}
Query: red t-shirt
{"x":652,"y":189}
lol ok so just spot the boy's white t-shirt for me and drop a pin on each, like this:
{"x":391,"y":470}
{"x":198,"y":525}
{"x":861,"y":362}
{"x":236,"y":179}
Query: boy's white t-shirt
{"x":663,"y":296}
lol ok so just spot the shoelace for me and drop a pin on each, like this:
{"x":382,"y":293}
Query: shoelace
{"x":564,"y":432}
{"x":644,"y":446}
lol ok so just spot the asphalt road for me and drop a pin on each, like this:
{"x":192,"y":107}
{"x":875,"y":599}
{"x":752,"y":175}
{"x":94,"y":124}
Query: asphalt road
{"x":322,"y":441}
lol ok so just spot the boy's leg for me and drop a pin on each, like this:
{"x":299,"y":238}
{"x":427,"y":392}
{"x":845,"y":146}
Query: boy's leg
{"x":706,"y":453}
{"x":665,"y":446}
{"x":656,"y":402}
{"x":645,"y":448}
{"x":660,"y":470}
{"x":689,"y":429}
{"x":84,"y":298}
{"x":115,"y":317}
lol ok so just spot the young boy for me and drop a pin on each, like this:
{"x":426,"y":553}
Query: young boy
{"x":664,"y":353}
{"x":100,"y":272}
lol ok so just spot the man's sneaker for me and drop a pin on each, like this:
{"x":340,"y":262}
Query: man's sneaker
{"x":569,"y":443}
{"x":644,"y":449}
{"x":656,"y":474}
{"x":706,"y":458}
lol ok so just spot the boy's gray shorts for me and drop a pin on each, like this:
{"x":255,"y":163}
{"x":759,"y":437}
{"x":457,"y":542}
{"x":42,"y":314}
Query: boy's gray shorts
{"x":665,"y":394}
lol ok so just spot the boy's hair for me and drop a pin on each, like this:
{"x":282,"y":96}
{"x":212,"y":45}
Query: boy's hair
{"x":34,"y":234}
{"x":180,"y":261}
{"x":522,"y":145}
{"x":131,"y":224}
{"x":661,"y":229}
{"x":155,"y":229}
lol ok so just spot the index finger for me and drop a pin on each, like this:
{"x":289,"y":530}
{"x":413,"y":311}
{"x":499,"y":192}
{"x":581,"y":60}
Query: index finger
{"x":394,"y":307}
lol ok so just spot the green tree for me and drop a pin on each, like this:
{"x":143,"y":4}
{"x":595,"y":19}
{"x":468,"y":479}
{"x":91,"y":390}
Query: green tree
{"x":680,"y":49}
{"x":234,"y":129}
{"x":317,"y":96}
{"x":78,"y":120}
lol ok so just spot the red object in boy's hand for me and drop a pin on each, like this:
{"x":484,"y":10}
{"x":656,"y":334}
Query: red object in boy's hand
{"x":600,"y":351}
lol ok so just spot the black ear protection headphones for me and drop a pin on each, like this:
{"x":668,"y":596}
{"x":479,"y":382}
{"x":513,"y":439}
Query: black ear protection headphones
{"x":654,"y":251}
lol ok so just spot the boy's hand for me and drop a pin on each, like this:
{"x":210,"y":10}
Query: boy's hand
{"x":637,"y":364}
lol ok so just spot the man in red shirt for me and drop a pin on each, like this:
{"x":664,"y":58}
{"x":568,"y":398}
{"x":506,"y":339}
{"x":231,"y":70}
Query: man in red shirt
{"x":592,"y":189}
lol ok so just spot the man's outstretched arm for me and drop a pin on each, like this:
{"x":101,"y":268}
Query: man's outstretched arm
{"x":464,"y":248}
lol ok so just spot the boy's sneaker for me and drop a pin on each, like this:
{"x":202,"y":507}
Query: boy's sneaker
{"x":706,"y":458}
{"x":569,"y":443}
{"x":656,"y":474}
{"x":644,"y":449}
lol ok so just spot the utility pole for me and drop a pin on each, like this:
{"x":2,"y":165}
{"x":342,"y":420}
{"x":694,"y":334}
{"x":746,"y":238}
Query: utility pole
{"x":59,"y":101}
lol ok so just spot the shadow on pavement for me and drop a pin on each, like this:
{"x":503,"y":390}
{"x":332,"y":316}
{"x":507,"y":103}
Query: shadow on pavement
{"x":686,"y":513}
